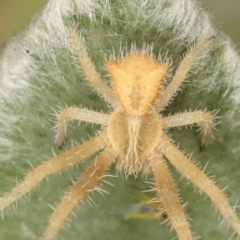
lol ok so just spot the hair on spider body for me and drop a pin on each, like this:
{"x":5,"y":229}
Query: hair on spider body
{"x":134,"y":134}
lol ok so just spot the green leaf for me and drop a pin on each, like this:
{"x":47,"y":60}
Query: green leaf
{"x":40,"y":73}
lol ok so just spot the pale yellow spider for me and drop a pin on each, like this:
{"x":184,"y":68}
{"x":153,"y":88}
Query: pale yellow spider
{"x":134,"y":135}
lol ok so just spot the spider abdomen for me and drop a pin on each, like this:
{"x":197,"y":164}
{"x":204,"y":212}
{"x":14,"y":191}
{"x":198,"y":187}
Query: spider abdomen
{"x":133,"y":138}
{"x":137,"y":80}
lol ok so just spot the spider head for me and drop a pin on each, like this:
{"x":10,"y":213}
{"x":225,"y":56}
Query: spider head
{"x":134,"y":139}
{"x":137,"y":80}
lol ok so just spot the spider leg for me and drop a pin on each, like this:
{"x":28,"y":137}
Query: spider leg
{"x":187,"y":168}
{"x":168,"y":196}
{"x":89,"y":68}
{"x":79,"y":191}
{"x":54,"y":165}
{"x":74,"y":113}
{"x":188,"y":118}
{"x":181,"y":73}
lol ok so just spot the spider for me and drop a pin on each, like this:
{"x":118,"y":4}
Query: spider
{"x":134,"y":134}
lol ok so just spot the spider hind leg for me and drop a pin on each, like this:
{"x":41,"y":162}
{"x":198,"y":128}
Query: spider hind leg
{"x":89,"y":68}
{"x":181,"y":73}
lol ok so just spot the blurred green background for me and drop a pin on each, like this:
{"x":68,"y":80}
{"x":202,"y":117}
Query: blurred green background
{"x":225,"y":15}
{"x":15,"y":15}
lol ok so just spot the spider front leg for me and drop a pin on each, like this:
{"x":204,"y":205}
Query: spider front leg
{"x":89,"y":68}
{"x":187,"y":168}
{"x":205,"y":119}
{"x":181,"y":73}
{"x":54,"y":165}
{"x":76,"y":114}
{"x":168,"y":196}
{"x":79,"y":191}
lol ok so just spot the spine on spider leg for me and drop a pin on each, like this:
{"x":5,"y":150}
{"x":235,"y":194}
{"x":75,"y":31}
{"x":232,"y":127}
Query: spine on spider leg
{"x":74,"y":113}
{"x":207,"y":127}
{"x":205,"y":119}
{"x":181,"y":73}
{"x":54,"y":165}
{"x":187,"y":168}
{"x":89,"y":68}
{"x":78,"y":192}
{"x":168,"y":196}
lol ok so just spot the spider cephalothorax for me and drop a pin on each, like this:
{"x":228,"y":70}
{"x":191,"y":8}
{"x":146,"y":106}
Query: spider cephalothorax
{"x":134,"y":134}
{"x":134,"y":138}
